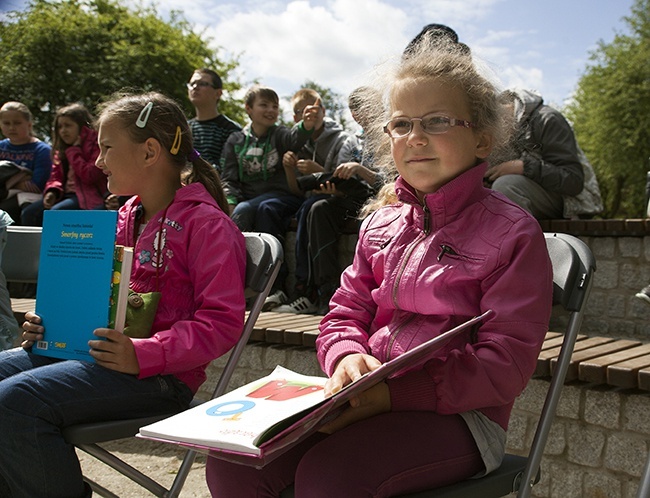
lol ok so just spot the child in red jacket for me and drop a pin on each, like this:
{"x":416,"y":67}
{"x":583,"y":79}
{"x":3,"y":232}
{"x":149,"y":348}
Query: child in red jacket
{"x":75,"y":182}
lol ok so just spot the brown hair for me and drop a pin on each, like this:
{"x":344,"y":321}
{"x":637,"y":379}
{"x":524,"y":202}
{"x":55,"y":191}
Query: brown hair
{"x":154,"y":115}
{"x":78,"y":113}
{"x":263,"y":92}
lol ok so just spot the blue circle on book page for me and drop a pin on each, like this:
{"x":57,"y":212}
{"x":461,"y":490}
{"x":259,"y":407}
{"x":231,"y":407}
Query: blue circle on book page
{"x":229,"y":408}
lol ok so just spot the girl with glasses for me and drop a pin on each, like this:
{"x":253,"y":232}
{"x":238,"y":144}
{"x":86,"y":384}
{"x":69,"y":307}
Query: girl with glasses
{"x":436,"y":249}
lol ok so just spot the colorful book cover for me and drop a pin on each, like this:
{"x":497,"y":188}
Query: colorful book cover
{"x":256,"y":423}
{"x":74,"y":280}
{"x":122,"y":264}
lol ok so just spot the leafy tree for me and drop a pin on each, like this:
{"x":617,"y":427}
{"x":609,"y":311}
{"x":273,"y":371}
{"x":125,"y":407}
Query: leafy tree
{"x":611,"y":115}
{"x":54,"y":53}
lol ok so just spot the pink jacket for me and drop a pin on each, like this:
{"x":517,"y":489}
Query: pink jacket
{"x":420,"y":270}
{"x":89,"y":181}
{"x":196,"y":257}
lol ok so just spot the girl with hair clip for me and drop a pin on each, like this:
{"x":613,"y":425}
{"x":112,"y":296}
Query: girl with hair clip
{"x":437,"y":249}
{"x":75,"y":182}
{"x":187,"y":249}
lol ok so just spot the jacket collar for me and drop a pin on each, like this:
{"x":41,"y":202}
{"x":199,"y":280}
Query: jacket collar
{"x":448,"y":201}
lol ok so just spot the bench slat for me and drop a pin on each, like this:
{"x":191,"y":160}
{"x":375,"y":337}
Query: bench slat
{"x":543,"y":368}
{"x":595,"y":369}
{"x":582,"y":348}
{"x":624,"y":374}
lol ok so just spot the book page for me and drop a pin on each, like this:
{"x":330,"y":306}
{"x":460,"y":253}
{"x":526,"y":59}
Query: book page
{"x":235,"y":420}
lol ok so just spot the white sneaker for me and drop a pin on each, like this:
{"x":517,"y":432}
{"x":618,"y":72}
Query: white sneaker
{"x":301,"y":305}
{"x":274,"y":300}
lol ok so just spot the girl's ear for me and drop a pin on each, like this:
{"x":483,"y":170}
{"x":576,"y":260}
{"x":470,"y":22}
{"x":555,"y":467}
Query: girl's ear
{"x":483,"y":145}
{"x":152,"y":150}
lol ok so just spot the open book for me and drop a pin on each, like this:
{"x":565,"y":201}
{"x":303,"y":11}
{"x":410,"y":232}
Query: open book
{"x":257,"y":422}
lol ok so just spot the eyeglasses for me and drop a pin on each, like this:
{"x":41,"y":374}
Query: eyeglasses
{"x":432,"y":124}
{"x":201,"y":84}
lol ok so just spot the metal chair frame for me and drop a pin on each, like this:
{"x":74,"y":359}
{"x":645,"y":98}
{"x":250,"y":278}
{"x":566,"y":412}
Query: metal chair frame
{"x":264,"y":256}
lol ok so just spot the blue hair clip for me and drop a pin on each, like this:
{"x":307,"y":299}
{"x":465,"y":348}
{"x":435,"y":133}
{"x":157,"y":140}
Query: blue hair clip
{"x":141,"y":122}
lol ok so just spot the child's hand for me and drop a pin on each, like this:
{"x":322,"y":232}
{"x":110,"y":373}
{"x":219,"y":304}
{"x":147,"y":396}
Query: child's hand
{"x":313,"y":115}
{"x":49,"y":199}
{"x":328,"y":188}
{"x":112,"y":202}
{"x":349,"y":369}
{"x":32,"y":330}
{"x":346,"y":170}
{"x":116,"y":352}
{"x":289,"y":160}
{"x":306,"y":166}
{"x":371,"y":402}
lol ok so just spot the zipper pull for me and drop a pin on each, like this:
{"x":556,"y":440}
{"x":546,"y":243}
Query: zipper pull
{"x":445,"y":249}
{"x":427,"y":219}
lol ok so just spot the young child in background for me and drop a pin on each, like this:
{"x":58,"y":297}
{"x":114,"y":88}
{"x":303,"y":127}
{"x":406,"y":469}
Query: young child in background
{"x":21,"y":147}
{"x":185,"y":247}
{"x":439,"y":249}
{"x":262,"y":193}
{"x":75,"y":182}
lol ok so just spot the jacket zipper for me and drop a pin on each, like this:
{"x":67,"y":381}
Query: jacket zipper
{"x":394,"y":335}
{"x":445,"y":249}
{"x":411,"y":248}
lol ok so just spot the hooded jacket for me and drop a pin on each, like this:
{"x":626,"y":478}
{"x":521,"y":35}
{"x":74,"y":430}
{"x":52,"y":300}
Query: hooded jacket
{"x":547,"y":146}
{"x":251,"y":165}
{"x":195,"y":256}
{"x":89,"y":180}
{"x":420,"y":270}
{"x":332,"y":147}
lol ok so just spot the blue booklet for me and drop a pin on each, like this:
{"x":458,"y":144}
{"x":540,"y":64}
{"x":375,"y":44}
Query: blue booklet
{"x":74,"y":280}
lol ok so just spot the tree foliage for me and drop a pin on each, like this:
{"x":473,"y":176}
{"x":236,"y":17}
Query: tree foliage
{"x":54,"y":53}
{"x":611,"y":115}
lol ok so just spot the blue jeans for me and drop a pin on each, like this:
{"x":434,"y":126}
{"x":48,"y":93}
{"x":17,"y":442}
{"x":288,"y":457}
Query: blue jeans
{"x":32,"y":215}
{"x":39,"y":396}
{"x":268,"y":213}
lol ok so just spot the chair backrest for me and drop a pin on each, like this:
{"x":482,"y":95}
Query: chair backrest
{"x":573,"y":268}
{"x":264,"y":255}
{"x":21,"y":254}
{"x":644,"y":482}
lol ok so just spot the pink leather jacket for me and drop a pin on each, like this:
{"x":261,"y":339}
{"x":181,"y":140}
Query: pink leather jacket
{"x":196,"y":257}
{"x":420,"y":270}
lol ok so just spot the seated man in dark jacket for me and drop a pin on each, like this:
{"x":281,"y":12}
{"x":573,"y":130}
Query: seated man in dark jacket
{"x":544,"y":165}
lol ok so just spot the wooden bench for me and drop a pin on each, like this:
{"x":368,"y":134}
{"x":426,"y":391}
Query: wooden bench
{"x":597,"y":360}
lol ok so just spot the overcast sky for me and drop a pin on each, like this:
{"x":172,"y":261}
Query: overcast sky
{"x":541,"y":45}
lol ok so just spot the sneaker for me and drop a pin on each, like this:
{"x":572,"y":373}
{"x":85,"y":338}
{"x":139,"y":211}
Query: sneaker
{"x":301,"y":305}
{"x":274,"y":300}
{"x":644,"y":294}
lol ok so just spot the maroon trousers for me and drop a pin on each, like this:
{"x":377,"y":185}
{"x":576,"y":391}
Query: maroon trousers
{"x":385,"y":455}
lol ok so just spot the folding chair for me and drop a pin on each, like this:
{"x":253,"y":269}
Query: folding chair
{"x":21,"y":254}
{"x":644,"y":482}
{"x":263,"y":258}
{"x":573,"y":267}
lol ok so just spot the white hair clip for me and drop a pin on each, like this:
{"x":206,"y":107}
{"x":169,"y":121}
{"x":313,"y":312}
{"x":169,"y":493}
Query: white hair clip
{"x":141,"y":122}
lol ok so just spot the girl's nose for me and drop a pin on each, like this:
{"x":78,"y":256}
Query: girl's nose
{"x":417,"y":136}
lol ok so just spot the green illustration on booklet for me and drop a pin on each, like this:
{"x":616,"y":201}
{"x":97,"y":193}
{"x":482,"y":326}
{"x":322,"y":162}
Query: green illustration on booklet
{"x":82,"y":279}
{"x":255,"y":423}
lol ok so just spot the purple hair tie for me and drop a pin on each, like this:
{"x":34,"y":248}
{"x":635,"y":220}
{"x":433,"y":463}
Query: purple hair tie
{"x":193,"y":156}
